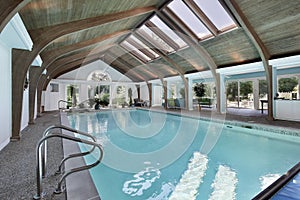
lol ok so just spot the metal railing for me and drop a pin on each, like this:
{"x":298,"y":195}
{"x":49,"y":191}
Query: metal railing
{"x":63,"y":101}
{"x":44,"y":151}
{"x":281,"y":182}
{"x":41,"y":156}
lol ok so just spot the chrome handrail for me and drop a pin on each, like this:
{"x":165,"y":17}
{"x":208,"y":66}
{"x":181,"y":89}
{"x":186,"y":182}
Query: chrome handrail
{"x":44,"y":154}
{"x":39,"y":150}
{"x":58,"y":103}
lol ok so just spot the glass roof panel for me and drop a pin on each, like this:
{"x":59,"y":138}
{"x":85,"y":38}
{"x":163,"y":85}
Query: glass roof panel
{"x":156,"y":39}
{"x":133,"y":49}
{"x":216,"y":13}
{"x":143,"y":45}
{"x":189,"y":18}
{"x":168,"y":31}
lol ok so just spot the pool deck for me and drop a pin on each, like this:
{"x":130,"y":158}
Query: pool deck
{"x":17,"y":165}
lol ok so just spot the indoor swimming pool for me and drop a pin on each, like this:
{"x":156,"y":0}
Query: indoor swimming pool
{"x":154,"y":155}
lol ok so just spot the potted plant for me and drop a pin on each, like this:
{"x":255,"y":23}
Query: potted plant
{"x":97,"y":103}
{"x":199,"y":90}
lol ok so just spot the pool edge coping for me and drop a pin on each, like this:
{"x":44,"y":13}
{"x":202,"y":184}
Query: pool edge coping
{"x":74,"y":186}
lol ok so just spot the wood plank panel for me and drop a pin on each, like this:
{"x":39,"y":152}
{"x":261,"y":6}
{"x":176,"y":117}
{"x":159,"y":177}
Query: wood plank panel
{"x":43,"y":13}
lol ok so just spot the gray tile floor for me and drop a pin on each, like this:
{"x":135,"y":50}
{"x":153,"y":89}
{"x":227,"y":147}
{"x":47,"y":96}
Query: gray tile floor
{"x":17,"y":166}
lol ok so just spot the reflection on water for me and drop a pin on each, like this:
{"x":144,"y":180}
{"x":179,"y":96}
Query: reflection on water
{"x":166,"y":190}
{"x":142,"y":181}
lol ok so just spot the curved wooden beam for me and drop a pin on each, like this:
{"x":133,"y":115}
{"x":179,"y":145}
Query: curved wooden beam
{"x":8,"y":9}
{"x":51,"y":56}
{"x":68,"y":67}
{"x":192,"y":41}
{"x":77,"y":58}
{"x":260,"y":47}
{"x":146,"y":68}
{"x":172,"y":63}
{"x":21,"y":60}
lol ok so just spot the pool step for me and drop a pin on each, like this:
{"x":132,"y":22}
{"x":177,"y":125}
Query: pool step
{"x":224,"y":184}
{"x":187,"y":188}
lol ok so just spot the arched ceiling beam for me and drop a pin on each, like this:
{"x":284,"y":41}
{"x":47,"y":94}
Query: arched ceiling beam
{"x":8,"y":9}
{"x":190,"y":38}
{"x":177,"y":25}
{"x":249,"y":30}
{"x":67,"y":68}
{"x":259,"y":45}
{"x":162,"y":35}
{"x":160,"y":53}
{"x":177,"y":67}
{"x":50,"y":56}
{"x":63,"y":61}
{"x":21,"y":60}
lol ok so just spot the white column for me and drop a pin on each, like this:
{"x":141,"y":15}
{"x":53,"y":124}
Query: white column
{"x":255,"y":86}
{"x":222,"y":91}
{"x":239,"y":93}
{"x":275,"y":82}
{"x":190,"y":93}
{"x":110,"y":95}
{"x":298,"y":95}
{"x":126,"y":93}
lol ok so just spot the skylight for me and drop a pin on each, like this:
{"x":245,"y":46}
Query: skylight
{"x":189,"y":18}
{"x":142,"y":47}
{"x":216,"y":13}
{"x":168,"y":31}
{"x":155,"y":39}
{"x":132,"y":49}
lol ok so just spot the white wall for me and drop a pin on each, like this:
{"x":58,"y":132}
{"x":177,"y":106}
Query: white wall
{"x":14,"y":35}
{"x":157,"y":91}
{"x":83,"y":72}
{"x":51,"y":99}
{"x":5,"y":100}
{"x":144,"y":92}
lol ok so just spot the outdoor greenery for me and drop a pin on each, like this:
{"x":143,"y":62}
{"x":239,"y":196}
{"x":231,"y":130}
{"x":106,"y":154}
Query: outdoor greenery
{"x":263,"y":88}
{"x":245,"y":89}
{"x":182,"y":92}
{"x":72,"y":93}
{"x":102,"y":89}
{"x":287,"y":84}
{"x":232,"y":90}
{"x":199,"y":89}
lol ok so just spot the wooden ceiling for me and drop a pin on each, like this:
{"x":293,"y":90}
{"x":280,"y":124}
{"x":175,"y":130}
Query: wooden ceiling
{"x":275,"y":22}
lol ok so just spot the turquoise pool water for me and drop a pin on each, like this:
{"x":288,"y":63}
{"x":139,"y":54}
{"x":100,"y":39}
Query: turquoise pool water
{"x":151,"y":155}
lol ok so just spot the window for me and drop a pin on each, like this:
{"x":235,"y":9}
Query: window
{"x":133,"y":50}
{"x":99,"y":76}
{"x":190,"y":19}
{"x":54,"y":87}
{"x":142,"y":47}
{"x":159,"y":43}
{"x":216,"y":13}
{"x":168,"y":32}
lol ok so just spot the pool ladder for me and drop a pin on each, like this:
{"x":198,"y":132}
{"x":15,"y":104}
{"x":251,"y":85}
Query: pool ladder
{"x":64,"y":101}
{"x":41,"y":156}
